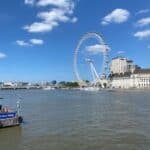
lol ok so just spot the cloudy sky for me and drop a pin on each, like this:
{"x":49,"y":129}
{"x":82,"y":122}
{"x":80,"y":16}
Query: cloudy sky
{"x":38,"y":37}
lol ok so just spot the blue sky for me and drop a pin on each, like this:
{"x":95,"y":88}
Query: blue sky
{"x":38,"y":37}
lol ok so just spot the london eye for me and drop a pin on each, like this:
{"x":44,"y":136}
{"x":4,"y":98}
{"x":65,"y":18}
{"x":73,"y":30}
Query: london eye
{"x":91,"y":58}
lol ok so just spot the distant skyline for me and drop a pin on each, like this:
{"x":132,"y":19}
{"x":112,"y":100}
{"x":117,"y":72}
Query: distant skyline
{"x":38,"y":37}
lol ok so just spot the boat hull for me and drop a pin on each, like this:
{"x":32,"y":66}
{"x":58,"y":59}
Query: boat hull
{"x":10,"y":119}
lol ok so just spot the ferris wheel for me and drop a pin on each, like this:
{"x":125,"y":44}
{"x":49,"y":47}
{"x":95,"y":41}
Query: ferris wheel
{"x":104,"y":70}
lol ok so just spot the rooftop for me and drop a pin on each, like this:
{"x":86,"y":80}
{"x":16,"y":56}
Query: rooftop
{"x":142,"y":71}
{"x":119,"y":57}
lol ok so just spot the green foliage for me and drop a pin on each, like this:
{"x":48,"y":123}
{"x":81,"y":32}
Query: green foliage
{"x":54,"y":82}
{"x":69,"y":84}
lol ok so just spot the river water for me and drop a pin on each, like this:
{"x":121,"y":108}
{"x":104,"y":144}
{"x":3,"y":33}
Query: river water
{"x":79,"y":120}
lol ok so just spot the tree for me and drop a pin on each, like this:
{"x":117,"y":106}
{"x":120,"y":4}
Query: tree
{"x":105,"y":85}
{"x":54,"y":82}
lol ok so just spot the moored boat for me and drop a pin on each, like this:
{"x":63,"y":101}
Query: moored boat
{"x":90,"y":89}
{"x":10,"y":118}
{"x":48,"y":88}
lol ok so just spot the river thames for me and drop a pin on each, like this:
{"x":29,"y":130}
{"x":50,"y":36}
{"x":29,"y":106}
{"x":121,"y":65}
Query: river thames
{"x":79,"y":120}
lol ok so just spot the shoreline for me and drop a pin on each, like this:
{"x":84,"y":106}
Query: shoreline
{"x":78,"y":89}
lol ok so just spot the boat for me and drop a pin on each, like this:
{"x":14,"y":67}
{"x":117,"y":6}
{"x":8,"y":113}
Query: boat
{"x":90,"y":89}
{"x":48,"y":88}
{"x":9,"y":118}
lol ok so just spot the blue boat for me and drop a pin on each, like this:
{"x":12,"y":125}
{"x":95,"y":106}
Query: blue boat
{"x":10,"y":118}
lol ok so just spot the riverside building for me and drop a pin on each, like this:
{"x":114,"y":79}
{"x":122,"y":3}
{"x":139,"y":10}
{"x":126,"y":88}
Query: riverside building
{"x":125,"y":74}
{"x":121,"y":65}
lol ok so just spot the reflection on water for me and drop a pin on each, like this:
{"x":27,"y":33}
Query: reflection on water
{"x":75,"y":120}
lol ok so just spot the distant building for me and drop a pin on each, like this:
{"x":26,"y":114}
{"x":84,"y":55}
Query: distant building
{"x":121,"y":65}
{"x":125,"y":74}
{"x":141,"y":78}
{"x":22,"y":85}
{"x":138,"y":79}
{"x":9,"y":84}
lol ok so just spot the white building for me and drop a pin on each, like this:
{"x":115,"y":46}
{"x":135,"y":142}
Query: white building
{"x":9,"y":84}
{"x":121,"y":65}
{"x":125,"y":74}
{"x":139,"y":79}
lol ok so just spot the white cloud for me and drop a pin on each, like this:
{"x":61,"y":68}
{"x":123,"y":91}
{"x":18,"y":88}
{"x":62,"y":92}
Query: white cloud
{"x":58,"y":3}
{"x":31,"y":42}
{"x":61,"y":12}
{"x":142,"y":34}
{"x":40,"y":27}
{"x":116,"y":16}
{"x":22,"y":43}
{"x":120,"y":52}
{"x":55,"y":15}
{"x":143,"y":22}
{"x":97,"y":48}
{"x":143,"y":11}
{"x":36,"y":41}
{"x":29,"y":2}
{"x":74,"y":20}
{"x":2,"y":55}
